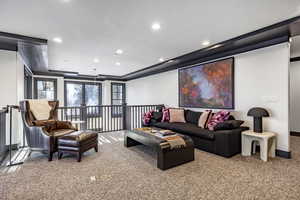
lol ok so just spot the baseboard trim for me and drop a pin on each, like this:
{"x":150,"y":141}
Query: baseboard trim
{"x":13,"y":147}
{"x":295,"y":133}
{"x":283,"y":154}
{"x":279,"y":153}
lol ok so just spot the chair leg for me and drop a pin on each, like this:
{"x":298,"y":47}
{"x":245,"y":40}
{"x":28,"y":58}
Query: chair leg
{"x":50,"y":156}
{"x":96,"y":148}
{"x":79,"y":156}
{"x":60,"y":154}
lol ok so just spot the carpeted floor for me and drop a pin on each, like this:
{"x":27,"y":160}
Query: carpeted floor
{"x":119,"y":173}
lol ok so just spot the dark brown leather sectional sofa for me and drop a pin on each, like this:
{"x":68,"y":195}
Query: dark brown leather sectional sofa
{"x":225,"y":143}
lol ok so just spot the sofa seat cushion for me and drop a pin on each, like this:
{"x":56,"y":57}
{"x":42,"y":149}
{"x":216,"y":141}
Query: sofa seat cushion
{"x":188,"y":129}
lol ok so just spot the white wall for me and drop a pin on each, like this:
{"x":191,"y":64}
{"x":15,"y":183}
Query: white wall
{"x":295,"y":96}
{"x":295,"y":86}
{"x":12,"y":88}
{"x":261,"y":79}
{"x":106,"y":93}
{"x":295,"y":47}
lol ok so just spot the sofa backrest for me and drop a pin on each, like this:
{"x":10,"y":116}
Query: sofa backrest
{"x":192,"y":116}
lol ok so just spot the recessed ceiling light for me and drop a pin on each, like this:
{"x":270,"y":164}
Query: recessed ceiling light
{"x":96,"y":60}
{"x":118,"y":64}
{"x":57,"y":40}
{"x":119,"y":51}
{"x":205,"y":43}
{"x":155,"y":26}
{"x":161,"y":59}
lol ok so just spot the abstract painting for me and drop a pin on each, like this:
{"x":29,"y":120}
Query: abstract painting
{"x":208,"y":85}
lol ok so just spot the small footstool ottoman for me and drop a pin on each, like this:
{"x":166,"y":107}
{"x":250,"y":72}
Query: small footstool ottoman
{"x":77,"y":142}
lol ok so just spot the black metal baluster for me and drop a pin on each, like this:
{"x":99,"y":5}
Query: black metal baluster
{"x":102,"y":114}
{"x":65,"y":114}
{"x":138,"y":117}
{"x":119,"y":117}
{"x":133,"y":117}
{"x":116,"y":118}
{"x":95,"y":118}
{"x":87,"y":117}
{"x":92,"y":118}
{"x":76,"y":115}
{"x":107,"y":118}
{"x":71,"y":114}
{"x":111,"y":118}
{"x":98,"y":118}
{"x":141,"y":114}
{"x":102,"y":118}
{"x":135,"y":114}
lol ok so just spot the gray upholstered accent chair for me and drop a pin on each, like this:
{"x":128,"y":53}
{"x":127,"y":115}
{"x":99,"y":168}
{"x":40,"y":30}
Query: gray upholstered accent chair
{"x":42,"y":135}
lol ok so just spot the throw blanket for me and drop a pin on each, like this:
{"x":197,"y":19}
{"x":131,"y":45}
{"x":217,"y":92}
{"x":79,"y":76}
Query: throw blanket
{"x":40,"y":109}
{"x":172,"y":141}
{"x":175,"y":142}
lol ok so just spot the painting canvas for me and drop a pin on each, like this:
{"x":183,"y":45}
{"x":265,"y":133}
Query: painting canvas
{"x":207,"y":86}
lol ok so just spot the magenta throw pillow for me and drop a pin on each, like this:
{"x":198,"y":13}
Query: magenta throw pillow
{"x":166,"y":115}
{"x":219,"y":117}
{"x":147,"y":117}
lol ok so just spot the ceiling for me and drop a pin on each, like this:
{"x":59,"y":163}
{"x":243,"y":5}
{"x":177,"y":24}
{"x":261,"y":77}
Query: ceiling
{"x":97,"y":28}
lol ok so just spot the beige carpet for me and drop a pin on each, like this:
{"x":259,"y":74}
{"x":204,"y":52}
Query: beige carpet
{"x":118,"y":173}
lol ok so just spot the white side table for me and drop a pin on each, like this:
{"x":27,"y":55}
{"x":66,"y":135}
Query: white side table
{"x":267,"y":142}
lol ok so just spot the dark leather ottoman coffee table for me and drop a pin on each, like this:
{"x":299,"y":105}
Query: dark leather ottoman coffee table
{"x":77,"y":142}
{"x":166,"y":157}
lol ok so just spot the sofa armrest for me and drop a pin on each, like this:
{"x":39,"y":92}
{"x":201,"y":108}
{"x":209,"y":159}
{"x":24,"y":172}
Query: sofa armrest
{"x":228,"y":142}
{"x":152,"y":122}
